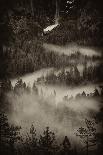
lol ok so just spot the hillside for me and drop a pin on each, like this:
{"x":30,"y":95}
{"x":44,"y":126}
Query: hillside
{"x":78,"y":31}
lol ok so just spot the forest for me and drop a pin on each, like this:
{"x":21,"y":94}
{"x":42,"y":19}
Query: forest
{"x":13,"y":142}
{"x":65,"y":124}
{"x":72,"y":76}
{"x":22,"y":36}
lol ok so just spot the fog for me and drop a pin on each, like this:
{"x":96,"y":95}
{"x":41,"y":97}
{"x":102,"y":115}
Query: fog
{"x":49,"y":109}
{"x":64,"y":118}
{"x":62,"y":91}
{"x":70,"y":49}
{"x":31,"y":77}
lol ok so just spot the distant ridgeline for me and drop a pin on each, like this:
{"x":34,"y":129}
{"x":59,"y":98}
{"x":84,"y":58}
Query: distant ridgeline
{"x":32,"y":56}
{"x":72,"y":76}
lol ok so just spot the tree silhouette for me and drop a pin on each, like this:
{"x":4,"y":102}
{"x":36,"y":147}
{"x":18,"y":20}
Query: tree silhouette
{"x":19,"y":86}
{"x":85,"y":71}
{"x":88,"y":134}
{"x":96,"y":93}
{"x":47,"y":139}
{"x":9,"y":134}
{"x":14,"y":136}
{"x":33,"y":136}
{"x":76,"y":75}
{"x":66,"y":143}
{"x":35,"y":89}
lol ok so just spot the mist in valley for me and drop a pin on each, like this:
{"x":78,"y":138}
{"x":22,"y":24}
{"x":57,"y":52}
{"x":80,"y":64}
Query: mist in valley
{"x":72,"y":48}
{"x":50,"y":108}
{"x":56,"y":105}
{"x":51,"y":85}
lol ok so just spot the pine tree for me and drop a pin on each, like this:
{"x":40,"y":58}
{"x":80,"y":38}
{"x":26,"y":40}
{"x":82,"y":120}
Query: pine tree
{"x":19,"y":86}
{"x":76,"y":75}
{"x":66,"y":143}
{"x":96,"y":93}
{"x":47,"y":140}
{"x":33,"y":136}
{"x":9,"y":134}
{"x":88,"y":134}
{"x":34,"y":88}
{"x":83,"y":94}
{"x":85,"y":71}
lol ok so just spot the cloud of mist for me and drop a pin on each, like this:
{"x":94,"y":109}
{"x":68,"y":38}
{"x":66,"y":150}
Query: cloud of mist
{"x":31,"y":77}
{"x":63,"y":118}
{"x":71,"y":49}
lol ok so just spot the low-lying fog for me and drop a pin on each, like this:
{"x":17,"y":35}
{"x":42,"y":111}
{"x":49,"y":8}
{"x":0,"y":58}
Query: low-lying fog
{"x":71,"y":48}
{"x":49,"y":109}
{"x":30,"y":78}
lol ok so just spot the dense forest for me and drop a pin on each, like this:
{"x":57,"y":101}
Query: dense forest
{"x":23,"y":51}
{"x":13,"y":142}
{"x":72,"y":76}
{"x":22,"y":24}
